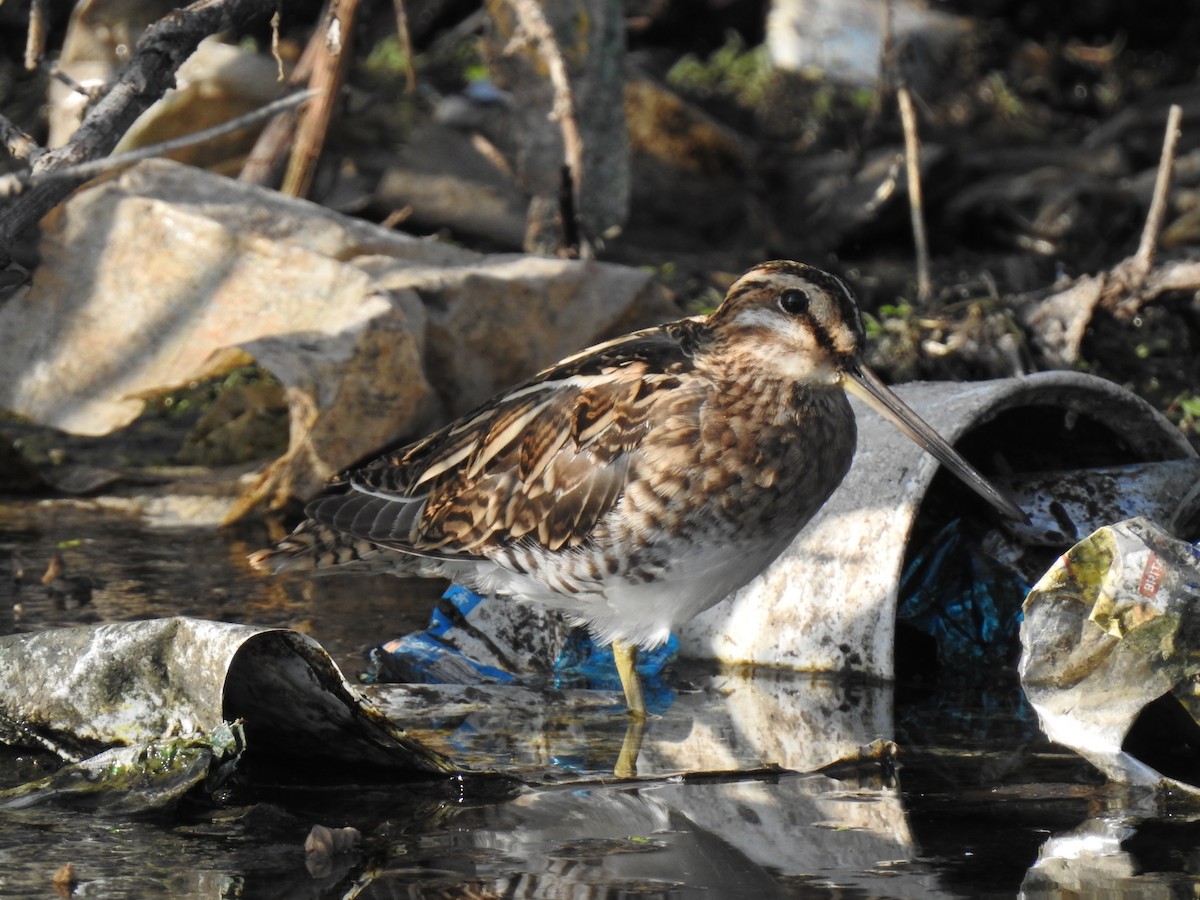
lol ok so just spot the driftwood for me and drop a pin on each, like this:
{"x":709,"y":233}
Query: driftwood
{"x":150,"y":72}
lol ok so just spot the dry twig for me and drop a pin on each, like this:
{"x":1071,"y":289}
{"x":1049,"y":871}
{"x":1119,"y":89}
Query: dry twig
{"x":1057,"y":323}
{"x":1143,"y":259}
{"x":405,"y":35}
{"x":35,"y":40}
{"x":330,"y":64}
{"x":265,"y":163}
{"x":13,"y":184}
{"x":93,"y":91}
{"x":912,"y":158}
{"x":535,"y":27}
{"x":276,"y":21}
{"x":1124,"y":291}
{"x":151,"y":71}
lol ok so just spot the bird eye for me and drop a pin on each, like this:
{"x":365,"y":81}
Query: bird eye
{"x":793,"y":301}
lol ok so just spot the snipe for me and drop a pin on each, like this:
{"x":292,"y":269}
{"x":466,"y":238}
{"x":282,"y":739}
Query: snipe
{"x":637,"y":483}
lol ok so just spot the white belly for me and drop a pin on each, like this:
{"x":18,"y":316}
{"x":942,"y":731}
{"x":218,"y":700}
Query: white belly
{"x":637,"y":612}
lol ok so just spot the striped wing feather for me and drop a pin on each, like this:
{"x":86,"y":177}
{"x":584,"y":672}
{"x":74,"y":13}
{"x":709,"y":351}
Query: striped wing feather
{"x":542,"y":463}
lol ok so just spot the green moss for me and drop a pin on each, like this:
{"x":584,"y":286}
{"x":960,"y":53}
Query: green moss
{"x":200,"y":395}
{"x":731,"y":72}
{"x":386,"y":59}
{"x":1184,"y":411}
{"x":995,"y":91}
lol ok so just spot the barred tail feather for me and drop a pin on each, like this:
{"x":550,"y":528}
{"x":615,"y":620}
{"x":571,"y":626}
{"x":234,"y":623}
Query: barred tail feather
{"x":314,"y":547}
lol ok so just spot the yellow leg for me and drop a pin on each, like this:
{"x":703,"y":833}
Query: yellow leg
{"x":626,"y":766}
{"x":626,"y":657}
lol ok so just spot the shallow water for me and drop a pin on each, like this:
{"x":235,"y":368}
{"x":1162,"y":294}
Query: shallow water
{"x":975,"y":804}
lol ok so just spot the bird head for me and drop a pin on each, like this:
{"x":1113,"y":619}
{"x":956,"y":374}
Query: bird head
{"x":796,"y":322}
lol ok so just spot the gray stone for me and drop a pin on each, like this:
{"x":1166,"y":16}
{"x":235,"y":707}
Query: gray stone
{"x":169,"y":274}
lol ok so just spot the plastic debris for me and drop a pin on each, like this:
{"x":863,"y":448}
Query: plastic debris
{"x":585,"y":664}
{"x":1110,"y":629}
{"x":828,"y":603}
{"x":967,"y":601}
{"x":139,"y":707}
{"x":1063,"y":506}
{"x":472,"y":641}
{"x":469,"y":641}
{"x":847,"y":40}
{"x":135,"y":779}
{"x":964,"y":586}
{"x":1085,"y":862}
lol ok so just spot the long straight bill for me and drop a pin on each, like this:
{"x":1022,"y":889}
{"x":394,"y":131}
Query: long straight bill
{"x":863,"y":383}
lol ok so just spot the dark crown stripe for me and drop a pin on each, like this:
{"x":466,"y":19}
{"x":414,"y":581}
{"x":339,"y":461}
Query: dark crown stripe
{"x":747,"y":287}
{"x":821,"y":334}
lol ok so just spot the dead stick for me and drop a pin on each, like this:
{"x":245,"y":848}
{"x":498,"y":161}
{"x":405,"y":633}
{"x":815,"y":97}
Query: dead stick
{"x":19,"y":144}
{"x":63,"y":77}
{"x":35,"y":41}
{"x":912,"y":157}
{"x":164,"y":46}
{"x":1143,"y":259}
{"x":276,"y":21}
{"x":13,"y":184}
{"x":534,"y":25}
{"x":266,"y":161}
{"x":405,"y":35}
{"x":329,"y":72}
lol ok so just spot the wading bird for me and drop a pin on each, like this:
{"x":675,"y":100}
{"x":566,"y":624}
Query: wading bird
{"x":637,"y":483}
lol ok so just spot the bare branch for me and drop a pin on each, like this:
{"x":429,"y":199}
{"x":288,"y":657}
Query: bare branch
{"x":535,"y":27}
{"x":912,"y":158}
{"x":405,"y":35}
{"x":19,"y":144}
{"x":1143,"y":259}
{"x":150,"y":72}
{"x":329,"y":72}
{"x":11,"y":185}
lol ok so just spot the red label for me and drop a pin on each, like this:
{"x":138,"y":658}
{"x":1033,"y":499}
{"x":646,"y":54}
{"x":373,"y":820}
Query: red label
{"x":1152,"y":577}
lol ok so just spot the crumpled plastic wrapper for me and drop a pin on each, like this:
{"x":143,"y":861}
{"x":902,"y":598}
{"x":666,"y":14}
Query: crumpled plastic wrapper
{"x":155,"y":700}
{"x":1113,"y":626}
{"x":136,"y":779}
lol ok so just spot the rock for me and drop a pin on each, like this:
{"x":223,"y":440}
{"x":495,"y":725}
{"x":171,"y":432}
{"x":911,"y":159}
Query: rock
{"x":168,"y":274}
{"x":494,"y":323}
{"x":17,"y":474}
{"x":844,"y":39}
{"x":441,"y":175}
{"x":689,"y":172}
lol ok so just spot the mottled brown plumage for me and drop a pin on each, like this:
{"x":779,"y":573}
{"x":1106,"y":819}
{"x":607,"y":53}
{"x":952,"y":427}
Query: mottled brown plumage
{"x":634,"y":484}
